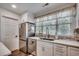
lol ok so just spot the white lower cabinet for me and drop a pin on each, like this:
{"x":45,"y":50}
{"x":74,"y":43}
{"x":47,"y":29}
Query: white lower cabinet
{"x":52,"y":49}
{"x":44,"y":48}
{"x":72,"y":51}
{"x":60,"y":50}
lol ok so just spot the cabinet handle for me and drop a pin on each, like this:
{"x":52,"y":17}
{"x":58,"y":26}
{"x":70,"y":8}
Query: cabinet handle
{"x":32,"y":42}
{"x":16,"y":36}
{"x":43,"y":49}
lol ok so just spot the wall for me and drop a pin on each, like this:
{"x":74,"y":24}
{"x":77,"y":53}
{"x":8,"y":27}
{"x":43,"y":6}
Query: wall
{"x":8,"y":14}
{"x":27,"y":17}
{"x":0,"y":27}
{"x":49,"y":10}
{"x":77,"y":15}
{"x":12,"y":15}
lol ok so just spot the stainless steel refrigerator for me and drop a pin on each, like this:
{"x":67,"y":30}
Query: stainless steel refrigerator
{"x":26,"y":30}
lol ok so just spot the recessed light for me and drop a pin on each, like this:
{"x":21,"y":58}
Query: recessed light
{"x":13,"y":6}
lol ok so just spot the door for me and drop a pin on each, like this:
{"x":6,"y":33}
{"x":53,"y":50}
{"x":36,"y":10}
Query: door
{"x":31,"y":29}
{"x":39,"y":48}
{"x":10,"y":33}
{"x":44,"y":48}
{"x":22,"y":31}
{"x":47,"y":50}
{"x":22,"y":37}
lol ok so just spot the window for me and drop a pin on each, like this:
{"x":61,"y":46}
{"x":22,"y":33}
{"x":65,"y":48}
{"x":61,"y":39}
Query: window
{"x":64,"y":29}
{"x":65,"y":22}
{"x":52,"y":16}
{"x":39,"y":29}
{"x":52,"y":30}
{"x":58,"y":23}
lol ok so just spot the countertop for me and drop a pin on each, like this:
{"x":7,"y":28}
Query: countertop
{"x":60,"y":41}
{"x":36,"y":38}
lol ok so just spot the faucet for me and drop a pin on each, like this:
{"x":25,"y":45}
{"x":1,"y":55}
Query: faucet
{"x":56,"y":37}
{"x":47,"y":32}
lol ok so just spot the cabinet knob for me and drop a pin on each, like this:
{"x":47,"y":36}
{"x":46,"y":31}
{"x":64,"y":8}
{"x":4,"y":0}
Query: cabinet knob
{"x":32,"y":42}
{"x":16,"y":36}
{"x":43,"y":49}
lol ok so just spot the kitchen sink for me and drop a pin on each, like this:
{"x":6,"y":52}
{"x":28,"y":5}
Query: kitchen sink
{"x":50,"y":39}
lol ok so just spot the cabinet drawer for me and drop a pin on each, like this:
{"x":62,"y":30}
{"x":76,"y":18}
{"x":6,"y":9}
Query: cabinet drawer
{"x":60,"y":50}
{"x":59,"y":54}
{"x":59,"y":46}
{"x":72,"y":51}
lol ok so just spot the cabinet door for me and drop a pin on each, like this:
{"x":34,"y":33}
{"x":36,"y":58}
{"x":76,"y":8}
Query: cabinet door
{"x":39,"y":48}
{"x":72,"y":51}
{"x":60,"y":50}
{"x":44,"y":48}
{"x":47,"y":50}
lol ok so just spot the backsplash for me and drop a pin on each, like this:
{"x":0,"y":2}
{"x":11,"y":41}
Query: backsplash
{"x":59,"y":37}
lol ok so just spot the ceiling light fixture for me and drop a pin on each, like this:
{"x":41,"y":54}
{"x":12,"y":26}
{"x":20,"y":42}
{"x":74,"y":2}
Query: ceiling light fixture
{"x":13,"y":6}
{"x":46,"y":4}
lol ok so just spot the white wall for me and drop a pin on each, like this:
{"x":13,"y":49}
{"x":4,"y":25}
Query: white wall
{"x":27,"y":17}
{"x":77,"y":15}
{"x":53,"y":9}
{"x":8,"y":14}
{"x":0,"y":27}
{"x":12,"y":15}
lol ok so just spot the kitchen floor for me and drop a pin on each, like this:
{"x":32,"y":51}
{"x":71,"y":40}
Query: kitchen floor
{"x":20,"y":53}
{"x":22,"y":45}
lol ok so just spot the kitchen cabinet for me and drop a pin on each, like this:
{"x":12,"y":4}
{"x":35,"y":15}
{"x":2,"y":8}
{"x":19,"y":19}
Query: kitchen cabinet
{"x":72,"y":51}
{"x":44,"y":48}
{"x":60,"y":50}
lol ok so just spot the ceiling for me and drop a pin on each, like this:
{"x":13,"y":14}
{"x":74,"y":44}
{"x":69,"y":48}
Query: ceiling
{"x":35,"y":8}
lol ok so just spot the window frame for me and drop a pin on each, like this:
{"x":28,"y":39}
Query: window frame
{"x":57,"y":25}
